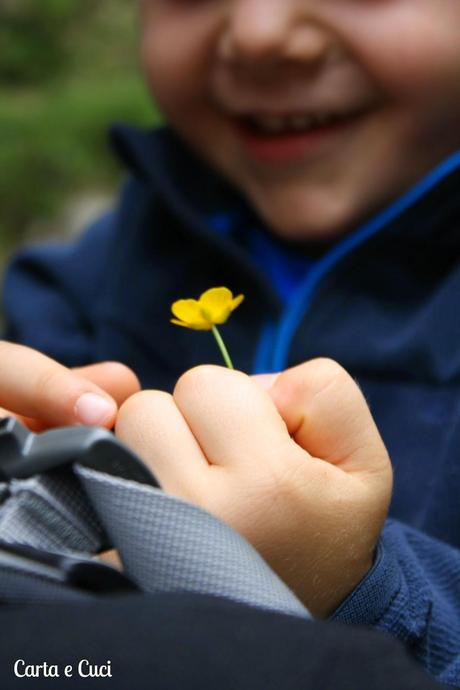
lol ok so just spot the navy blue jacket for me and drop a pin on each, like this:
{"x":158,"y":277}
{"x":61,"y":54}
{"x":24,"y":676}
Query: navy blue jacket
{"x":384,"y":302}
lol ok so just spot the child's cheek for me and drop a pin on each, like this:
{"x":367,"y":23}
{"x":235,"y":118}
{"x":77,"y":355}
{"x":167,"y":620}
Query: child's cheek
{"x":175,"y":47}
{"x":410,"y":48}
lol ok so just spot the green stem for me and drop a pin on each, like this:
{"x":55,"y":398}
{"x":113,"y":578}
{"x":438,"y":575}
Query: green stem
{"x":222,"y":348}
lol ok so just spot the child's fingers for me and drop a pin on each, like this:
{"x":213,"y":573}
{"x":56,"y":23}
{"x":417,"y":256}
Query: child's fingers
{"x":233,"y":420}
{"x":150,"y":423}
{"x":115,"y":378}
{"x":264,"y":381}
{"x":35,"y":386}
{"x":328,"y":416}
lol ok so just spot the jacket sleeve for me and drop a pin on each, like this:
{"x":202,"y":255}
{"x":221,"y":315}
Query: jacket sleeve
{"x":413,"y":593}
{"x":49,"y":294}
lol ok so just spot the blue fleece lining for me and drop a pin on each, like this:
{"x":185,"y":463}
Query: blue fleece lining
{"x":264,"y":347}
{"x":285,"y":267}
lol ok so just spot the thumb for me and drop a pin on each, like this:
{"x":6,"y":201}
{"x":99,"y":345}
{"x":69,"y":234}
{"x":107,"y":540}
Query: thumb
{"x":327,"y":415}
{"x":35,"y":386}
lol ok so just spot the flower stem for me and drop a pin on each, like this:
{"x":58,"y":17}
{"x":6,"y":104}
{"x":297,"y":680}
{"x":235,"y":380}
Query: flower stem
{"x":222,"y":348}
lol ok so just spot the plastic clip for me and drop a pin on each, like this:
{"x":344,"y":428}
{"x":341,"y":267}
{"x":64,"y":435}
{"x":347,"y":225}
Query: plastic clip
{"x":24,"y":454}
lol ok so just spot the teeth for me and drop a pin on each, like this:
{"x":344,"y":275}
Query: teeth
{"x":272,"y":124}
{"x":277,"y":124}
{"x":323,"y":119}
{"x":330,"y":119}
{"x":299,"y":123}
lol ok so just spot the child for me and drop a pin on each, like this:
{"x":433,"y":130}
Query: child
{"x":310,"y":163}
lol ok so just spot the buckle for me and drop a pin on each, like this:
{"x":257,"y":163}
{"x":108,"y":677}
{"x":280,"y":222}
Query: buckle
{"x":88,"y":576}
{"x":24,"y":454}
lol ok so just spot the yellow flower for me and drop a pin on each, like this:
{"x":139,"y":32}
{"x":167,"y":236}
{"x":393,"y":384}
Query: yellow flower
{"x":214,"y":307}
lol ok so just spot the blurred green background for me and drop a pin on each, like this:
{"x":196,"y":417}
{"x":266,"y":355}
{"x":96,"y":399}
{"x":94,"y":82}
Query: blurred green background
{"x":68,"y":68}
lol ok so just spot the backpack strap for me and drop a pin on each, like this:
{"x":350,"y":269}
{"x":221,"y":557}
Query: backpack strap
{"x":100,"y":494}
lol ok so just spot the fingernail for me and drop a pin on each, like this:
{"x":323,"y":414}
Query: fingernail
{"x":92,"y":409}
{"x":265,"y":381}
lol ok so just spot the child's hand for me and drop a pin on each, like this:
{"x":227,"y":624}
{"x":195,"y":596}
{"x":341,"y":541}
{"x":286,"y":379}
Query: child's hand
{"x":43,"y":393}
{"x":300,"y":470}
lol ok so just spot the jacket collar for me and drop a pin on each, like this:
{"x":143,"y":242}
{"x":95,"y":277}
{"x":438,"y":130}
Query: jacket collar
{"x":183,"y":180}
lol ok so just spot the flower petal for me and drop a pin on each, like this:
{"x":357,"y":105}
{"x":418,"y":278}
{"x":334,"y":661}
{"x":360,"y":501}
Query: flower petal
{"x":236,"y":302}
{"x":215,"y":304}
{"x":214,"y":307}
{"x":189,"y":312}
{"x":201,"y":327}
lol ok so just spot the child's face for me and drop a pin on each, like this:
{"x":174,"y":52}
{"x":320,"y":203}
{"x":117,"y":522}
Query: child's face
{"x":319,"y":111}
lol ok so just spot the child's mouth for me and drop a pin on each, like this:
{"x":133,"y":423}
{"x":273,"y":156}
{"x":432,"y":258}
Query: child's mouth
{"x":279,"y":138}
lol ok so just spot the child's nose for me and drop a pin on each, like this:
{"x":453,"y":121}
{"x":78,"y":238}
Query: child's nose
{"x":270,"y":30}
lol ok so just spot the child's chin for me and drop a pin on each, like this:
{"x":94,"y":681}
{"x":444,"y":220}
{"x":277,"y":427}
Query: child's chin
{"x":312,"y":225}
{"x":299,"y":209}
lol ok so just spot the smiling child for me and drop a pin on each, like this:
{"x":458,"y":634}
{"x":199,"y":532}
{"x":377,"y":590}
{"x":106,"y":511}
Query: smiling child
{"x":310,"y":161}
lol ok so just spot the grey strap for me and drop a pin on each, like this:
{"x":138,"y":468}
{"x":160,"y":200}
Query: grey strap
{"x":165,"y":544}
{"x":50,"y":511}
